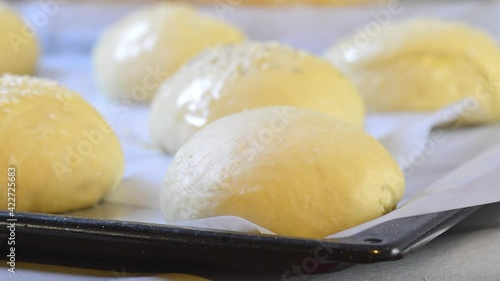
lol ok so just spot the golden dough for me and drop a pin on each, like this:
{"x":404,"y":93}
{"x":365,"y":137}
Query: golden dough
{"x":293,"y":171}
{"x":424,"y":65}
{"x":143,"y":49}
{"x":18,"y":46}
{"x":228,"y":79}
{"x":65,"y":155}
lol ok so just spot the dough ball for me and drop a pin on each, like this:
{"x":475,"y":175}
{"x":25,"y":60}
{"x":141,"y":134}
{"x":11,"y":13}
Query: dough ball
{"x":65,"y":155}
{"x":293,"y":171}
{"x":18,"y":46}
{"x":228,"y":79}
{"x":424,"y":65}
{"x":140,"y":51}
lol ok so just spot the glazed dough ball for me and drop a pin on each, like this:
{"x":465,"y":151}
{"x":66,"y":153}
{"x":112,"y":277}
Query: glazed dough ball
{"x":293,"y":171}
{"x":228,"y":79}
{"x":65,"y":155}
{"x":18,"y":46}
{"x":140,"y":51}
{"x":424,"y":65}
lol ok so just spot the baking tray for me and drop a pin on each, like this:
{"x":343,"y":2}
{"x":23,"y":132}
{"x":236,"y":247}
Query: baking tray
{"x":139,"y":247}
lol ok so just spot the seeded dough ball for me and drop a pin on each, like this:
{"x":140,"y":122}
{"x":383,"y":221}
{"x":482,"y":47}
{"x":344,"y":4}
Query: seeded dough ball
{"x":65,"y":155}
{"x":18,"y":47}
{"x":228,"y":79}
{"x":424,"y":65}
{"x":140,"y":51}
{"x":293,"y":171}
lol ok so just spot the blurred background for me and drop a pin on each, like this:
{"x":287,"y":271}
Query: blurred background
{"x":74,"y":25}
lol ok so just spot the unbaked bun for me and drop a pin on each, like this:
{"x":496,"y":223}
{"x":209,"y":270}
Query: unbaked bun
{"x":228,"y":79}
{"x":140,"y":51}
{"x":424,"y":65}
{"x":18,"y":46}
{"x":65,"y":155}
{"x":293,"y":171}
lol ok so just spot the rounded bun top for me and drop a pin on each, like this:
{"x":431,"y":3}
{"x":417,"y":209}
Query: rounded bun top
{"x":66,"y":152}
{"x":417,"y":36}
{"x":140,"y":51}
{"x":290,"y":170}
{"x":423,"y":65}
{"x":18,"y":45}
{"x":15,"y":86}
{"x":230,"y":78}
{"x":168,"y":25}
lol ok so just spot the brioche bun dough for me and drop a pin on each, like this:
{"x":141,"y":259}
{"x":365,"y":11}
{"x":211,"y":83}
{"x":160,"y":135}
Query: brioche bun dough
{"x":424,"y":65}
{"x":228,"y":79}
{"x":18,"y":46}
{"x":293,"y":171}
{"x":143,"y":49}
{"x":65,"y":155}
